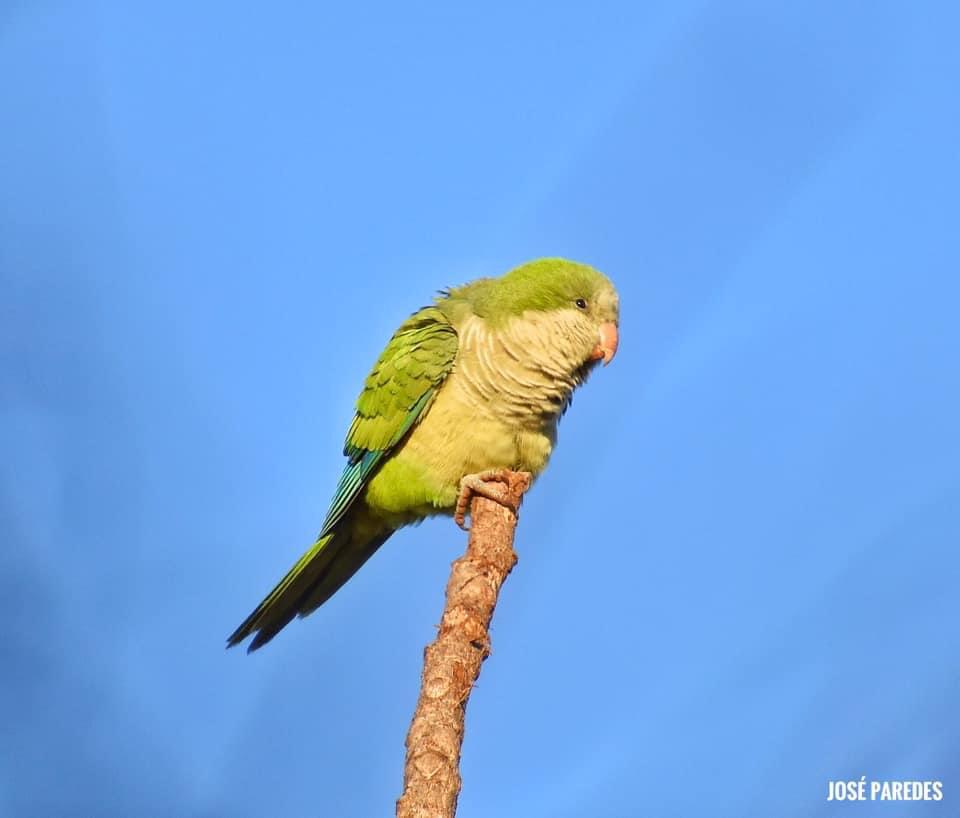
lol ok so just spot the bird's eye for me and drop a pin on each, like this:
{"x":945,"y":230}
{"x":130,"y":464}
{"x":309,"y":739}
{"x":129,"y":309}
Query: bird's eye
{"x":581,"y":303}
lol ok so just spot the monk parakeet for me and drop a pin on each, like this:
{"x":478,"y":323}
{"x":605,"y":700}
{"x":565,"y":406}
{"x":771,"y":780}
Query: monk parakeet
{"x":474,"y":383}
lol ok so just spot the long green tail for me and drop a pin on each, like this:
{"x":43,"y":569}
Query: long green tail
{"x":315,"y":577}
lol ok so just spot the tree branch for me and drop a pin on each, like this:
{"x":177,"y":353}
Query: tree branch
{"x":451,"y":664}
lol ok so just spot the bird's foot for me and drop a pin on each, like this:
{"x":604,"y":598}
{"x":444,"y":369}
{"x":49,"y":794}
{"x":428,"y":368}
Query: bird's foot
{"x":485,"y":484}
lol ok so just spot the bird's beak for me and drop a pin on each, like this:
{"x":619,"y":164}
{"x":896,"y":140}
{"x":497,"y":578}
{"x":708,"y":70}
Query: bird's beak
{"x":607,"y":343}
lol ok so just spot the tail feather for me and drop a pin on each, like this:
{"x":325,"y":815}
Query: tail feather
{"x":349,"y":561}
{"x":313,"y":579}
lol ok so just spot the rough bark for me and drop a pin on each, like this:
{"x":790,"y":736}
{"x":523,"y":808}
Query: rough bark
{"x":431,"y":780}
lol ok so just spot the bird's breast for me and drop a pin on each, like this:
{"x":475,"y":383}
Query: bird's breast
{"x":519,"y":374}
{"x":498,"y":408}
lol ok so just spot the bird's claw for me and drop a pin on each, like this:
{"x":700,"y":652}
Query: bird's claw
{"x":484,"y":485}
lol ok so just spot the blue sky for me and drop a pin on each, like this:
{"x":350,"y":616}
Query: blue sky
{"x":738,"y":577}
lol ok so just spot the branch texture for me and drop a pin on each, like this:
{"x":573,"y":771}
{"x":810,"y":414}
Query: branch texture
{"x":431,"y":780}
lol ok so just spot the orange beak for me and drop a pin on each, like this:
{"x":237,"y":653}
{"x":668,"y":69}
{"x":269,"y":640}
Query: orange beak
{"x":606,"y":347}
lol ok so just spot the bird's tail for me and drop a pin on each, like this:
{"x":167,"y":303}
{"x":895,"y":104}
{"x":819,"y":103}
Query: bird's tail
{"x":315,"y":577}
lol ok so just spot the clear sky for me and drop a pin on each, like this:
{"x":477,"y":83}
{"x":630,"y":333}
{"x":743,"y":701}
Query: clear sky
{"x":738,"y":578}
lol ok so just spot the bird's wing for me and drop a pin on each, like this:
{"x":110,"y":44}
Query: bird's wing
{"x":396,"y":395}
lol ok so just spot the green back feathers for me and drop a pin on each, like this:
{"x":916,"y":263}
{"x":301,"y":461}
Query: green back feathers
{"x":542,"y":285}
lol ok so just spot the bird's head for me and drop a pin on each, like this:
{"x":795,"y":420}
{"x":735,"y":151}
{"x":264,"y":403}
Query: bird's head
{"x":577,"y":299}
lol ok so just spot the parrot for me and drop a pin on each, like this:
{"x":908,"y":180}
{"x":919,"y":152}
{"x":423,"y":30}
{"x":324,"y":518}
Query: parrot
{"x":474,"y":383}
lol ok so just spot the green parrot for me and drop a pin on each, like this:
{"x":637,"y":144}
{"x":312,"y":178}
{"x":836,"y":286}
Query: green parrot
{"x":474,"y":383}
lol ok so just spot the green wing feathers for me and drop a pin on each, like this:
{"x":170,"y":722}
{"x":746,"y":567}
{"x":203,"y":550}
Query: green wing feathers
{"x":396,"y":395}
{"x":416,"y":361}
